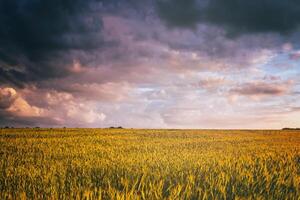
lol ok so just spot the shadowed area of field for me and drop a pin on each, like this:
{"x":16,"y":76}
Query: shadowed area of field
{"x":149,"y":164}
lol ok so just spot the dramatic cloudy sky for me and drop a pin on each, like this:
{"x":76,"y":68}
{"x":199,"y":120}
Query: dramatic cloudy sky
{"x":150,"y":63}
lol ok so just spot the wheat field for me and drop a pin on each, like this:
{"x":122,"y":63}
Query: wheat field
{"x":149,"y":164}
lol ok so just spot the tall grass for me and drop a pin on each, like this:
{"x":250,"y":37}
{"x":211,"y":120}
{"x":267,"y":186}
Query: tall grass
{"x":148,"y":164}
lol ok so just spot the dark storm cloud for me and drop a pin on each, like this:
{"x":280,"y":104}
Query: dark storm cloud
{"x":237,"y":16}
{"x":37,"y":37}
{"x":182,"y":13}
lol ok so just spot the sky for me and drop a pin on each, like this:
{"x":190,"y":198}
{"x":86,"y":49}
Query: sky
{"x":231,"y":64}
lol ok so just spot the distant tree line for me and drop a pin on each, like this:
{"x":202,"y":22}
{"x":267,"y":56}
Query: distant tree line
{"x":119,"y":127}
{"x":6,"y":127}
{"x":291,"y":129}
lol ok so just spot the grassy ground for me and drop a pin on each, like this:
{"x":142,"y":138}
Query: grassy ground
{"x":149,"y":164}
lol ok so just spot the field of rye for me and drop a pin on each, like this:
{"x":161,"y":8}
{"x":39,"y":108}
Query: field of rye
{"x":149,"y":164}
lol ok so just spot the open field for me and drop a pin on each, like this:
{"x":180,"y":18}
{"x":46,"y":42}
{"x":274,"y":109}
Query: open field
{"x":149,"y":164}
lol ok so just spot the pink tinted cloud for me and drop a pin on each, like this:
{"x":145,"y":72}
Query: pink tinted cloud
{"x":295,"y":55}
{"x":7,"y":97}
{"x":259,"y":89}
{"x":13,"y":103}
